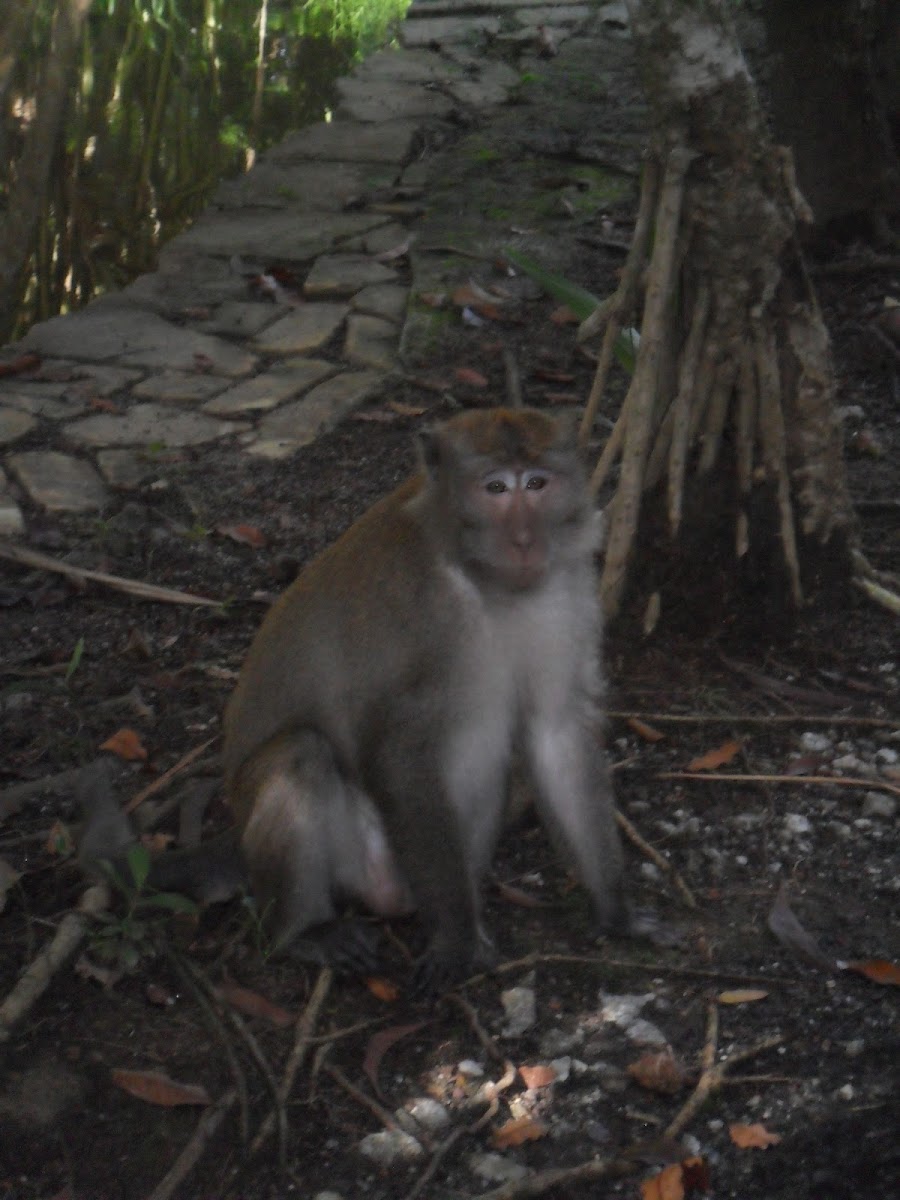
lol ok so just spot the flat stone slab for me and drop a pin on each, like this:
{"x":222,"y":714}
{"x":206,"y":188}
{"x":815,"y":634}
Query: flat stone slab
{"x":125,"y":469}
{"x":305,"y":329}
{"x":270,"y":389}
{"x":348,"y":141}
{"x":310,"y":186}
{"x":241,"y":318}
{"x":183,"y":387}
{"x":371,"y":342}
{"x":14,"y":424}
{"x":58,"y":482}
{"x":365,"y":99}
{"x":185,"y":279}
{"x":335,"y":275}
{"x":134,"y":338}
{"x":275,"y":236}
{"x":385,"y":300}
{"x":45,"y":400}
{"x":407,"y":66}
{"x":428,"y":30}
{"x":302,"y":421}
{"x":149,"y":424}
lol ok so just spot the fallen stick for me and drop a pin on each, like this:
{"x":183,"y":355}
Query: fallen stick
{"x":68,"y":937}
{"x":654,"y":855}
{"x":755,"y":719}
{"x":133,"y":587}
{"x":876,"y":785}
{"x":194,"y":1150}
{"x":162,"y":780}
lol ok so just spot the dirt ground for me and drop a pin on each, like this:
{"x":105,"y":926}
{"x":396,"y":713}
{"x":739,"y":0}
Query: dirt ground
{"x":815,"y":699}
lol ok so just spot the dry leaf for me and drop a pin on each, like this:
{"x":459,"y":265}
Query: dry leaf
{"x":879,"y":970}
{"x":155,"y":1087}
{"x":642,"y":729}
{"x":433,"y":299}
{"x":159,"y":995}
{"x":564,"y":316}
{"x":20,"y":365}
{"x":549,"y":375}
{"x":537,"y":1077}
{"x":677,"y":1180}
{"x":742,"y":996}
{"x":126,"y":744}
{"x":784,"y":924}
{"x":471,"y":377}
{"x":659,"y":1072}
{"x":383,"y":989}
{"x":720,"y":757}
{"x":406,"y":410}
{"x":753,"y":1137}
{"x":246,"y":535}
{"x":518,"y":1131}
{"x":380,"y":1043}
{"x":252,"y":1004}
{"x":518,"y":896}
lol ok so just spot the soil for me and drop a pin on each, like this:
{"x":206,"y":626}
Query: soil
{"x":80,"y":664}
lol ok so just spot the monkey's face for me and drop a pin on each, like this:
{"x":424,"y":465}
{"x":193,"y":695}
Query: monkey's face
{"x":510,"y":518}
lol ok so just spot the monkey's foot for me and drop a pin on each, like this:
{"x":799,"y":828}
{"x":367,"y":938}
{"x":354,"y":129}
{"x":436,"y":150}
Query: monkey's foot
{"x":349,"y":946}
{"x":443,"y":965}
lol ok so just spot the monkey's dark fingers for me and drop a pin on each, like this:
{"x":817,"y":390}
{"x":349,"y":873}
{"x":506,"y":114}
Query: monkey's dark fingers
{"x":349,"y":946}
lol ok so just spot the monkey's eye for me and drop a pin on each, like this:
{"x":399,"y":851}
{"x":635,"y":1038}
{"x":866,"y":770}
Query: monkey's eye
{"x":499,"y":481}
{"x":495,"y":486}
{"x":535,"y":482}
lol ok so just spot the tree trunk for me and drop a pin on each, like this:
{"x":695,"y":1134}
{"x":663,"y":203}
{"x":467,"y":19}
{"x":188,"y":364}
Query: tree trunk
{"x":19,"y":222}
{"x":733,"y":376}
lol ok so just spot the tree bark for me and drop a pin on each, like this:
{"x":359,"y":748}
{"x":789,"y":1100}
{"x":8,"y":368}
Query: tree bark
{"x":733,"y":372}
{"x":19,"y":222}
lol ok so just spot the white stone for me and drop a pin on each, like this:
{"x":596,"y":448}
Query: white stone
{"x":390,"y":1146}
{"x":878,"y":804}
{"x":797,"y":824}
{"x":520,"y":1006}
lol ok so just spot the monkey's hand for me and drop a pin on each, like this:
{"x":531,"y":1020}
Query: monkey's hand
{"x":446,"y":963}
{"x":349,"y":946}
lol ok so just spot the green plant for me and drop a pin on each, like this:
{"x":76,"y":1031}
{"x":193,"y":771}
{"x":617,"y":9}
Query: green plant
{"x":122,"y":939}
{"x":75,"y":659}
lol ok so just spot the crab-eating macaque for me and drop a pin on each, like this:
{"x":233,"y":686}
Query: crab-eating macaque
{"x":371,"y":733}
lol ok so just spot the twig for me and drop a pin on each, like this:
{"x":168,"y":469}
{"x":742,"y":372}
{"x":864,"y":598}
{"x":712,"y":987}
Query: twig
{"x":163,"y":780}
{"x":684,"y":402}
{"x":620,"y":964}
{"x":437,"y":1158}
{"x":881,"y":595}
{"x":305,"y":1023}
{"x":13,"y":797}
{"x":641,"y":397}
{"x":68,"y":937}
{"x":876,"y":785}
{"x":133,"y":587}
{"x":387,"y":1119}
{"x":654,"y":855}
{"x":204,"y":994}
{"x":488,"y":1044}
{"x":194,"y":1150}
{"x":712,"y":1075}
{"x":756,"y":719}
{"x":561,"y":1178}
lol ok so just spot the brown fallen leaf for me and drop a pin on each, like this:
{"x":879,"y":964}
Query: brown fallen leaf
{"x":518,"y":896}
{"x":718,"y":757}
{"x":518,"y":1131}
{"x":786,"y":927}
{"x":677,"y":1180}
{"x":18,"y":366}
{"x":564,"y":316}
{"x":741,"y":996}
{"x":245,"y":535}
{"x":406,"y":410}
{"x":155,"y":1087}
{"x":252,"y":1004}
{"x":126,"y":744}
{"x":659,"y":1072}
{"x":642,"y":729}
{"x":471,"y":377}
{"x":879,"y":970}
{"x":380,"y":1043}
{"x":539,"y":1076}
{"x":753,"y":1137}
{"x":383,"y":989}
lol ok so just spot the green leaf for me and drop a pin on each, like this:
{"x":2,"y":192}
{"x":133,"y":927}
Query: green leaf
{"x":581,"y":301}
{"x":139,"y":864}
{"x":171,"y":901}
{"x":75,"y":659}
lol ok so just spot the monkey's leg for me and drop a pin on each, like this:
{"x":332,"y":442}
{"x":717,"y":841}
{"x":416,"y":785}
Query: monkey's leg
{"x":309,"y":839}
{"x":574,"y":798}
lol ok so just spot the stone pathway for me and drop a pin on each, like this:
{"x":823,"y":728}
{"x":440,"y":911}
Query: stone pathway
{"x":209,"y":348}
